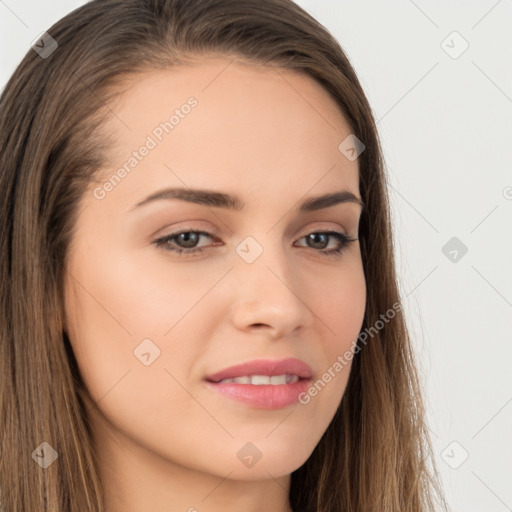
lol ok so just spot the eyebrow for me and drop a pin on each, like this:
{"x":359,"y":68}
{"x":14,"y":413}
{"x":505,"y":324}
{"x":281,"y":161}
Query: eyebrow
{"x":228,"y":201}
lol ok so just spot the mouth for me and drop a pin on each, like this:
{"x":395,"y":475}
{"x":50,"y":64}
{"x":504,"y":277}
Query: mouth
{"x":263,"y":384}
{"x":261,"y":380}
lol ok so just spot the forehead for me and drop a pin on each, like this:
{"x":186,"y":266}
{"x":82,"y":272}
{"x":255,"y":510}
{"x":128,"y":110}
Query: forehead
{"x":221,"y":123}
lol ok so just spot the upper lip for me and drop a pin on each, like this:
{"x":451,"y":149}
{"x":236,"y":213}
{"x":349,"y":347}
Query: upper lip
{"x":291,"y":366}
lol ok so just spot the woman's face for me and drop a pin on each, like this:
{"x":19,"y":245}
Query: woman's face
{"x":150,"y":327}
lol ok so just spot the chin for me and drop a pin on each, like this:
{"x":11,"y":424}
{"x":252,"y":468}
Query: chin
{"x":265,"y":458}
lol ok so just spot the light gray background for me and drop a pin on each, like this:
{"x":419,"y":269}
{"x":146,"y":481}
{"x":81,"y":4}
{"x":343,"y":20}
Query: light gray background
{"x":446,"y":129}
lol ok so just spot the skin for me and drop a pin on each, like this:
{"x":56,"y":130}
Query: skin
{"x":165,"y":441}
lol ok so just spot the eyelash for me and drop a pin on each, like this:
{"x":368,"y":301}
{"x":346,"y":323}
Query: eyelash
{"x":164,"y":243}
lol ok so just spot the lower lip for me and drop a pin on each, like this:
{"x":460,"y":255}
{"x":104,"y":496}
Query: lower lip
{"x":265,"y":396}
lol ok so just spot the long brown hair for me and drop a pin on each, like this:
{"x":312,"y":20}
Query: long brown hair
{"x":376,"y":454}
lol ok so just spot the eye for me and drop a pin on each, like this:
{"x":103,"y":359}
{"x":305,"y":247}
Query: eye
{"x":187,"y":242}
{"x":189,"y":239}
{"x":322,"y":238}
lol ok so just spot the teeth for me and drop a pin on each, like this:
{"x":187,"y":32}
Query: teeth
{"x":261,"y":380}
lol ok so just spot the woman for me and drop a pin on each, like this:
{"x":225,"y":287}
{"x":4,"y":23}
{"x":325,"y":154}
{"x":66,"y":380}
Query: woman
{"x":199,"y":299}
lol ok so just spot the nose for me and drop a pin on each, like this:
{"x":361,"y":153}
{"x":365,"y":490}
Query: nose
{"x":269,"y":297}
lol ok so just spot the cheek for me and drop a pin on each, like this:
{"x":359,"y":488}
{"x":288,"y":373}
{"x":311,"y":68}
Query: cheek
{"x":131,"y":300}
{"x":130,"y":368}
{"x":109,"y":313}
{"x":129,"y":322}
{"x":340,"y":306}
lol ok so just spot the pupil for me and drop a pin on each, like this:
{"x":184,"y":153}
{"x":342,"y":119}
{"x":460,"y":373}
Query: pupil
{"x":314,"y":236}
{"x":189,"y":238}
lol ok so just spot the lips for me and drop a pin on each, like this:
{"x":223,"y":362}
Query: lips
{"x":264,"y":367}
{"x":263,"y":384}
